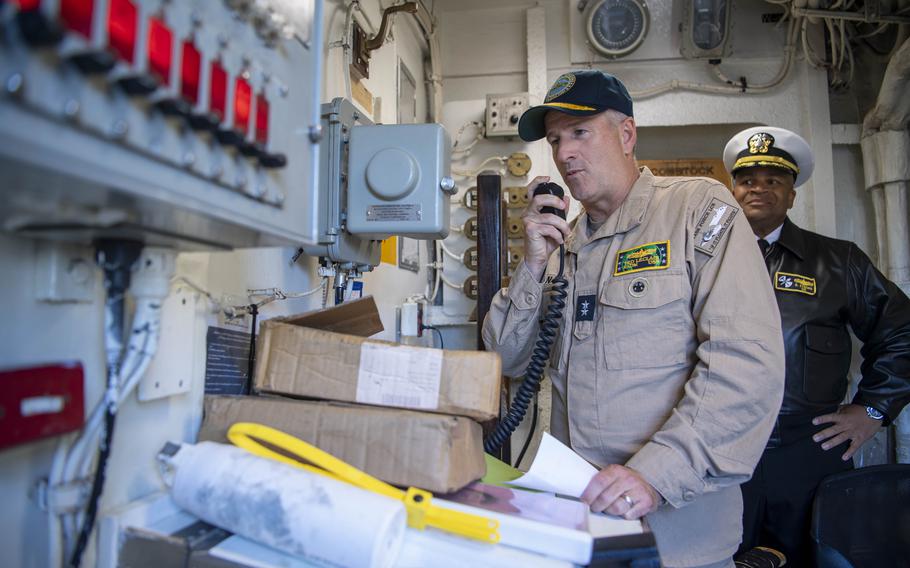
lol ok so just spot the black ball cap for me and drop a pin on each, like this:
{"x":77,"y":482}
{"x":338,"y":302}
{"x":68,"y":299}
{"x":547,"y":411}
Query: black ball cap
{"x":579,"y":93}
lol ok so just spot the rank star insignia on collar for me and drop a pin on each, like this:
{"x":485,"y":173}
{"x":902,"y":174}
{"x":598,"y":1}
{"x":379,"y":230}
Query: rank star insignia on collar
{"x":584,"y":308}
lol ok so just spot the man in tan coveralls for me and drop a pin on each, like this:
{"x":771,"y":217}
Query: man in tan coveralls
{"x":668,"y":370}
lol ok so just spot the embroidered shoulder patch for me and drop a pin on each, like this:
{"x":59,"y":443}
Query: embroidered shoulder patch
{"x":713,"y":224}
{"x":794,"y":283}
{"x":652,"y":256}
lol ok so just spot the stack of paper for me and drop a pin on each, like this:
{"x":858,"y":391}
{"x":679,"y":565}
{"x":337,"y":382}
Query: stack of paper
{"x":557,"y":469}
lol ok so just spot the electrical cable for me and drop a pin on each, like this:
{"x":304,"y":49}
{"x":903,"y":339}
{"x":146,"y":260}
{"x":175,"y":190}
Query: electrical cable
{"x":797,"y":36}
{"x":74,"y":458}
{"x":251,"y":358}
{"x":347,"y":46}
{"x":80,"y":460}
{"x":308,"y":292}
{"x":451,"y":284}
{"x":77,"y":463}
{"x":436,"y":265}
{"x":741,"y":86}
{"x":197,"y":288}
{"x":270,"y":295}
{"x":116,"y":258}
{"x":438,"y":333}
{"x":431,"y":299}
{"x":481,"y":167}
{"x":94,"y":498}
{"x":539,"y":357}
{"x":546,"y":334}
{"x":531,"y":431}
{"x":451,"y":254}
{"x":465,"y":151}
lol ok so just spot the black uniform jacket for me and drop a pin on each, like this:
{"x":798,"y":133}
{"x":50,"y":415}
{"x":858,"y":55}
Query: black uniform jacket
{"x":822,"y":285}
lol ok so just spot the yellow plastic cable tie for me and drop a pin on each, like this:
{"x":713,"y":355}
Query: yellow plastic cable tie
{"x":418,"y":502}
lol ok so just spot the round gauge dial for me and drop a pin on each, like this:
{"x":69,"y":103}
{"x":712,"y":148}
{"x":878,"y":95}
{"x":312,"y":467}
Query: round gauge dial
{"x":616,"y":27}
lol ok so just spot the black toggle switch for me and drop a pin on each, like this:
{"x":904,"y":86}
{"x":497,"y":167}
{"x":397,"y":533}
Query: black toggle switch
{"x":252,"y":149}
{"x":230,"y":137}
{"x":174,"y":107}
{"x":207,"y":121}
{"x":37,"y":30}
{"x":139,"y":85}
{"x":271,"y":161}
{"x":94,"y":62}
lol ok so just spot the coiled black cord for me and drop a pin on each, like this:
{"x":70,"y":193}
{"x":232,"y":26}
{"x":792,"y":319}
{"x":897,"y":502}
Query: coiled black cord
{"x":531,"y":430}
{"x":539,"y":358}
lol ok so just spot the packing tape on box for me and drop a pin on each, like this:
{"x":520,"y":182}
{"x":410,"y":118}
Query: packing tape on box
{"x":289,"y":509}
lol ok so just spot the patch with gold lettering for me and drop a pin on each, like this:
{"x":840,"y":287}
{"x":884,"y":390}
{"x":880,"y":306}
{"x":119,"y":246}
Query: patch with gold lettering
{"x":713,"y":224}
{"x":651,"y":256}
{"x":794,"y":283}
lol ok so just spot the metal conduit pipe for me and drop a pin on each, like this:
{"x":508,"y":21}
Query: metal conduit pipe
{"x":886,"y":147}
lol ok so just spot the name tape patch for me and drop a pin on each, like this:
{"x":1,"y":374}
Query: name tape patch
{"x":713,"y":224}
{"x":794,"y":283}
{"x":651,"y":256}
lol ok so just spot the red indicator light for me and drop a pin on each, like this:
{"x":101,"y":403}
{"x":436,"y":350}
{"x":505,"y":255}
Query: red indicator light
{"x":28,"y":5}
{"x":77,"y":15}
{"x":218,"y":93}
{"x":121,"y":28}
{"x":243,"y":100}
{"x":262,"y":119}
{"x":190,"y":66}
{"x":160,"y":41}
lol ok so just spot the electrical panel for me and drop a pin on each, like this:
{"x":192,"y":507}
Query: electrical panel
{"x":192,"y":124}
{"x":503,"y":113}
{"x":399,"y":181}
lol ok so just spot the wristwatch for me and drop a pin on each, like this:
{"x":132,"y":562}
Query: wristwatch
{"x":874,"y":413}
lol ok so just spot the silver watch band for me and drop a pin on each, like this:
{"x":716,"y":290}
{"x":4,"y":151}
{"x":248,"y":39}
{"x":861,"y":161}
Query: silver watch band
{"x":874,"y":413}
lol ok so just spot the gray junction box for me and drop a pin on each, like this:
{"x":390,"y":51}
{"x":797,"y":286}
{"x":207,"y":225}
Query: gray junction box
{"x":399,"y":181}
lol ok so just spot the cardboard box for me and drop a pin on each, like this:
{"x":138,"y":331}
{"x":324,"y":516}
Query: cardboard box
{"x":324,"y":355}
{"x":406,"y":448}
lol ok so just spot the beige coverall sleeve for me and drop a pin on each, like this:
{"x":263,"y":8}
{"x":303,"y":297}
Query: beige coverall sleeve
{"x":511,"y":325}
{"x":718,"y":430}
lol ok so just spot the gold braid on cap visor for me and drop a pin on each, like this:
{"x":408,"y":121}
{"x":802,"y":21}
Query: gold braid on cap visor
{"x":775,"y":161}
{"x":568,"y":106}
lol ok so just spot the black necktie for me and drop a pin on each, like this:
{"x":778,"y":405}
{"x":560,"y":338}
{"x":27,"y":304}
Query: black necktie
{"x":764,"y":246}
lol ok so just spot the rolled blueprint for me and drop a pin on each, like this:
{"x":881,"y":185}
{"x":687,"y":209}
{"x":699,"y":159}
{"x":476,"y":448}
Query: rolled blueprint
{"x":290,"y":509}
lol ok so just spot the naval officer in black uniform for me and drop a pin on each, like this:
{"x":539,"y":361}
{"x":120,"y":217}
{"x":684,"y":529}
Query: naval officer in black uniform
{"x":824,"y":287}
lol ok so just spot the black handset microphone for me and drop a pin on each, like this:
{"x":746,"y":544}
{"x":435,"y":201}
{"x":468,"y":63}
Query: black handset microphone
{"x":552,"y":189}
{"x":549,"y":326}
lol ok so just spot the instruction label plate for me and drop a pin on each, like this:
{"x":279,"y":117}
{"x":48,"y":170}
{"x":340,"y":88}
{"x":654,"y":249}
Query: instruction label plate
{"x":394,"y":212}
{"x":227,"y":356}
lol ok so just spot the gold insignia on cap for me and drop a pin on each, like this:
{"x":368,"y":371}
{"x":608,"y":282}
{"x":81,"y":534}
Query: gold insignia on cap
{"x":760,"y":143}
{"x":561,"y":86}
